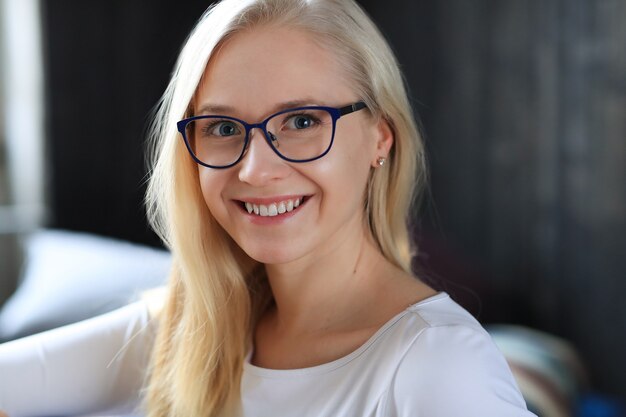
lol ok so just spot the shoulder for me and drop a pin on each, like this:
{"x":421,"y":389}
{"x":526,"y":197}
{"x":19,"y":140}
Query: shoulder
{"x":452,"y":367}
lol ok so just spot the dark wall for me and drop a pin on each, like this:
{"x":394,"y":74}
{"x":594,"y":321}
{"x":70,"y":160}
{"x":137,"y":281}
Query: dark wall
{"x":108,"y":63}
{"x":524,"y":113}
{"x":525,"y":124}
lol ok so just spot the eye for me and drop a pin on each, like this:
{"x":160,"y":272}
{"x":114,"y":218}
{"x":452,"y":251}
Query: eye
{"x":222,"y":128}
{"x":300,"y":121}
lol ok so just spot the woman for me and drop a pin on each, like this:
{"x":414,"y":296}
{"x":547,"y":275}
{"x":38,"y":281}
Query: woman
{"x":286,"y":161}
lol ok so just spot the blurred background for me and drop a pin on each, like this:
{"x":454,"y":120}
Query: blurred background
{"x":523,"y":107}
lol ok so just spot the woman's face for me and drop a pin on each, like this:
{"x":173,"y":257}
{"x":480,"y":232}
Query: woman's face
{"x":256,"y":74}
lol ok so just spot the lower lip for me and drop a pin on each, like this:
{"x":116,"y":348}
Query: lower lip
{"x":271,"y":220}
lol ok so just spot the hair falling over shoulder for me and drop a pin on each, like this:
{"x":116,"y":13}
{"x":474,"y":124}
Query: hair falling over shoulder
{"x":216,"y":292}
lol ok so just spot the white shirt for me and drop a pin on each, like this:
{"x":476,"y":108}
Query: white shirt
{"x":432,"y":360}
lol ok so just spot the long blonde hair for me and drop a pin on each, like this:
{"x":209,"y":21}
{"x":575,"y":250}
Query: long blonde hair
{"x":216,"y":291}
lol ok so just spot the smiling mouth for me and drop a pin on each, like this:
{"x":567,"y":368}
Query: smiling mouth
{"x":273,"y":209}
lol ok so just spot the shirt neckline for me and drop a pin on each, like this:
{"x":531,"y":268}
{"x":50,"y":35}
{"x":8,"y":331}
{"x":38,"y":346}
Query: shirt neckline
{"x":337,"y":363}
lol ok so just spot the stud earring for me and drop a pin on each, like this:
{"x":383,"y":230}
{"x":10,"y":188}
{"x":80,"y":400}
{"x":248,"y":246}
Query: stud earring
{"x":381,"y":161}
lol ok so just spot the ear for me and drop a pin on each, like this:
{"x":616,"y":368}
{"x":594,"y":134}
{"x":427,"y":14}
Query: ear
{"x":384,"y":141}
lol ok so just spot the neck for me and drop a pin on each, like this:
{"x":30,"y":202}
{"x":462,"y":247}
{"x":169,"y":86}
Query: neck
{"x":325,"y":293}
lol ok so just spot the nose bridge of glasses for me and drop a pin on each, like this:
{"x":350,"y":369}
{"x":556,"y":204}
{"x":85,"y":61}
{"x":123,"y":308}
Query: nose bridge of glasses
{"x":266,"y":134}
{"x":262,"y":126}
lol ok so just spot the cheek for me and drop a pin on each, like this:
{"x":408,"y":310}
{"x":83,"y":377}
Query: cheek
{"x":212,"y":184}
{"x":355,"y":156}
{"x":346,"y":172}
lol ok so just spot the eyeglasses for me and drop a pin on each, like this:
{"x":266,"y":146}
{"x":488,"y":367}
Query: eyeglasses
{"x":301,"y":134}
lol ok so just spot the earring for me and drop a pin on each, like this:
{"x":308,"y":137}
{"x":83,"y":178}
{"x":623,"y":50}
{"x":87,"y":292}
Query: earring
{"x":381,"y":161}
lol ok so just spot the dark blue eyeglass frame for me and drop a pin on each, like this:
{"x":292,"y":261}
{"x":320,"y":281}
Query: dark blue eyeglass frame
{"x":334,"y":112}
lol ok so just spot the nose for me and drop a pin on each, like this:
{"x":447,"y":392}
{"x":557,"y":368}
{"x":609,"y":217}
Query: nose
{"x":260,"y":165}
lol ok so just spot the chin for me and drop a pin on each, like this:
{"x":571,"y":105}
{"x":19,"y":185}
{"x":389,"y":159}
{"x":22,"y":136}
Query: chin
{"x":272,"y":256}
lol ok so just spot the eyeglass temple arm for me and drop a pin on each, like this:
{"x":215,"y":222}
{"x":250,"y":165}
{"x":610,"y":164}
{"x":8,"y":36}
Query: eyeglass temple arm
{"x":352,"y":108}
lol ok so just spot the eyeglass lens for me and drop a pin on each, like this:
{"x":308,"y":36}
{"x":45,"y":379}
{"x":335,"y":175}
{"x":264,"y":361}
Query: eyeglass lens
{"x":298,"y":135}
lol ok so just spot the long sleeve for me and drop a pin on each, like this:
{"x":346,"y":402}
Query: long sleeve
{"x":87,"y":367}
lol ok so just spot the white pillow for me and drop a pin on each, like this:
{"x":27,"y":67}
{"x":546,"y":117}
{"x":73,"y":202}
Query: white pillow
{"x":69,"y":276}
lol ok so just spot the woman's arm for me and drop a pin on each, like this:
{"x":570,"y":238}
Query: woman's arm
{"x":87,"y":367}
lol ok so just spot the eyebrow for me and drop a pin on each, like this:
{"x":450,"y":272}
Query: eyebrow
{"x":218,"y":109}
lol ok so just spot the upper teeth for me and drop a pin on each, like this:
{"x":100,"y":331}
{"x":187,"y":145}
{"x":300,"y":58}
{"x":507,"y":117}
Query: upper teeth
{"x":273,"y":209}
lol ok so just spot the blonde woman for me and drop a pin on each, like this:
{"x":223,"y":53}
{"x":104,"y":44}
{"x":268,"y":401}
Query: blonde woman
{"x":286,"y":162}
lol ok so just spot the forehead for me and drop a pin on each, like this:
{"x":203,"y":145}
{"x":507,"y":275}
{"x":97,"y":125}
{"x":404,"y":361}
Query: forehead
{"x":260,"y":68}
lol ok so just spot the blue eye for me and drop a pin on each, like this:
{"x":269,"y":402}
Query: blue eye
{"x":223,"y":128}
{"x":300,"y":122}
